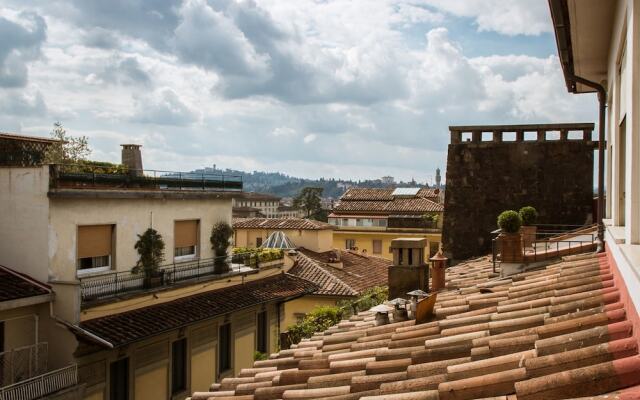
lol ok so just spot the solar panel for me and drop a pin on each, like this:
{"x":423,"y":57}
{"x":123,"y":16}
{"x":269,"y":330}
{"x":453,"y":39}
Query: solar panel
{"x":405,"y":191}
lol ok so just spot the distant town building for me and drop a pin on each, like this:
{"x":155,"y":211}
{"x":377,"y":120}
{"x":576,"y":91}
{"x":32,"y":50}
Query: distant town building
{"x":267,"y":204}
{"x":387,"y":180}
{"x":368,"y":219}
{"x":307,"y":233}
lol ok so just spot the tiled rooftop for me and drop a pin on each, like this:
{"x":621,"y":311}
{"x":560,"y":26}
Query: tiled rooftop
{"x":279,"y":223}
{"x":372,"y":194}
{"x":415,"y":205}
{"x":355,"y":273}
{"x":127,"y":327}
{"x":14,"y":285}
{"x":561,"y":332}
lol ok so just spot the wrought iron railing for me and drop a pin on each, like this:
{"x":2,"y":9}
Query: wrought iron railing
{"x":41,"y":385}
{"x":114,"y":176}
{"x":113,"y":284}
{"x":23,"y":363}
{"x":549,"y":241}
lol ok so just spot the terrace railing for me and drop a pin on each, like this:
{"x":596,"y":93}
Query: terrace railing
{"x":41,"y":385}
{"x":113,"y":284}
{"x":23,"y":363}
{"x":115,"y":176}
{"x":549,"y":242}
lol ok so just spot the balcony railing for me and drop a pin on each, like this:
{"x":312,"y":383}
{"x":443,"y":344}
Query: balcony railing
{"x":23,"y":363}
{"x":113,"y":284}
{"x":548,"y":242}
{"x":110,"y":177}
{"x":41,"y":385}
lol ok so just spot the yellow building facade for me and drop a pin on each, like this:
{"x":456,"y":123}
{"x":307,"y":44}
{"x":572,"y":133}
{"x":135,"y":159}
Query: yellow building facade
{"x":378,"y":242}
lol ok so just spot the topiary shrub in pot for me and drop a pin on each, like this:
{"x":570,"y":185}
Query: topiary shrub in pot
{"x":220,"y":241}
{"x":528,"y":215}
{"x":150,"y":247}
{"x":510,"y":239}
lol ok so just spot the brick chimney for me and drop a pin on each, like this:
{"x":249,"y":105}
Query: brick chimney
{"x":409,"y":270}
{"x":132,"y":158}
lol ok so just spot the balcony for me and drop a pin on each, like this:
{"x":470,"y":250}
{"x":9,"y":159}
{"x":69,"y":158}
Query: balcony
{"x":94,"y":289}
{"x":111,"y":176}
{"x":24,"y":376}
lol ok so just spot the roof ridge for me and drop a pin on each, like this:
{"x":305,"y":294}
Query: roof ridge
{"x":328,"y":273}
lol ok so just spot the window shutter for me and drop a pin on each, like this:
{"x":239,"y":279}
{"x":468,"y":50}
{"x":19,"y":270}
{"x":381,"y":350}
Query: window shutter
{"x":94,"y":240}
{"x":624,"y":87}
{"x":186,"y":233}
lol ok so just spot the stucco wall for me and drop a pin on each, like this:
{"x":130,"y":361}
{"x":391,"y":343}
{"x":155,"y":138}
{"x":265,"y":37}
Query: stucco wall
{"x":303,"y":305}
{"x":130,"y":217}
{"x":315,"y":240}
{"x":24,"y":220}
{"x":151,"y":383}
{"x":486,"y":178}
{"x":364,"y":240}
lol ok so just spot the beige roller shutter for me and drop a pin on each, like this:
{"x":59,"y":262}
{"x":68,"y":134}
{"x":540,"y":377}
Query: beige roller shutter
{"x":186,"y":233}
{"x":94,"y":240}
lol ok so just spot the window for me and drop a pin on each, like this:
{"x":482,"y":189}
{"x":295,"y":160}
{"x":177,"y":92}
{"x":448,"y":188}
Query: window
{"x":119,"y":380}
{"x":345,"y":222}
{"x":258,"y":241}
{"x":179,"y":366}
{"x":261,"y":346}
{"x":185,"y":237}
{"x":350,"y":244}
{"x":377,"y":246}
{"x":224,"y":351}
{"x":94,"y":248}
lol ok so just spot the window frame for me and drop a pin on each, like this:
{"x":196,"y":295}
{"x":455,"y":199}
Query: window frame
{"x":187,"y":257}
{"x":96,"y":270}
{"x":228,"y":362}
{"x":373,"y":246}
{"x":262,"y":332}
{"x":177,"y":347}
{"x":346,"y":244}
{"x":113,"y":394}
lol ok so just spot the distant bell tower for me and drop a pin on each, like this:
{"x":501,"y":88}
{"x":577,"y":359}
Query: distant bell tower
{"x":438,"y":178}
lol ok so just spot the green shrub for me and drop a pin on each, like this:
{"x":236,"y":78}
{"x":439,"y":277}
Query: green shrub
{"x":150,"y":247}
{"x":259,"y":356}
{"x":253,"y":255}
{"x":528,"y":215}
{"x":509,"y":221}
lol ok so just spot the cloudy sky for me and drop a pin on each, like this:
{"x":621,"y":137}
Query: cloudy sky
{"x":333,"y":88}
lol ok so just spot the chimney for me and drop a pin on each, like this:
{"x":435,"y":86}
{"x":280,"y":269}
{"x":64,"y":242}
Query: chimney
{"x":409,"y":270}
{"x":132,"y":158}
{"x":438,"y":267}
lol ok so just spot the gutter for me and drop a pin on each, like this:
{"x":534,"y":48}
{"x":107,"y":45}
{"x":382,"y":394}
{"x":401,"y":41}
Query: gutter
{"x":83,"y":332}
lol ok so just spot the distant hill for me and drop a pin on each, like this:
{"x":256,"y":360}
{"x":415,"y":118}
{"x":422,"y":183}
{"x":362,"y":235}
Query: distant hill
{"x":283,"y":185}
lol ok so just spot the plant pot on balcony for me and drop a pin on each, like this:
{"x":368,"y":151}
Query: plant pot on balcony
{"x":510,"y":247}
{"x":528,"y":235}
{"x":154,"y":280}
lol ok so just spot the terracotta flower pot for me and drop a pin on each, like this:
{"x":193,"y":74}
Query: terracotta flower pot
{"x":528,"y":235}
{"x":510,"y":247}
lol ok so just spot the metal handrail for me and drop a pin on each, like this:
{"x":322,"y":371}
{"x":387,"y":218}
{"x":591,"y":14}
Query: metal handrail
{"x":112,"y":284}
{"x":41,"y":385}
{"x":97,"y":175}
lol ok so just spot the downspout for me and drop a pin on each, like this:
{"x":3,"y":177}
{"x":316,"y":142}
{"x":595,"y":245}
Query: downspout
{"x":602,"y":99}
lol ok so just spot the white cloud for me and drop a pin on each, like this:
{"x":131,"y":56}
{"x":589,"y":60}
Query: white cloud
{"x":310,"y":138}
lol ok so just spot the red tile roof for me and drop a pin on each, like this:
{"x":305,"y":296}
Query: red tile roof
{"x":380,"y":201}
{"x":554,"y":333}
{"x":374,"y":194}
{"x":131,"y":326}
{"x":280,"y":224}
{"x":357,"y":272}
{"x":14,"y":285}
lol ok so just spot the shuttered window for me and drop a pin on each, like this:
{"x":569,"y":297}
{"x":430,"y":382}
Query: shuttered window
{"x":224,"y":349}
{"x":377,"y":246}
{"x":261,"y":344}
{"x":186,"y":238}
{"x":94,"y":246}
{"x":179,"y":366}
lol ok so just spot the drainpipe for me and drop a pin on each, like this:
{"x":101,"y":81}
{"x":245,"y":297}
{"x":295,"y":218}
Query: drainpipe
{"x":602,"y":99}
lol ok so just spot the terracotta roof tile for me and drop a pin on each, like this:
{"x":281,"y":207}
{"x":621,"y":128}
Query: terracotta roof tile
{"x":383,"y":194}
{"x":357,"y":272}
{"x":381,"y":201}
{"x":123,"y":328}
{"x":533,"y":335}
{"x":14,"y":285}
{"x":280,"y":223}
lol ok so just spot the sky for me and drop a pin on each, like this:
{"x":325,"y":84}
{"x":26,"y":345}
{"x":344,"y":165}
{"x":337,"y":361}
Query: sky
{"x":351,"y":89}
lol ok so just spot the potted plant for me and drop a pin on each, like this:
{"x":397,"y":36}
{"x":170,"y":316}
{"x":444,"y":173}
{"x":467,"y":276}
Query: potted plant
{"x":510,"y":239}
{"x":220,"y":241}
{"x":150,"y":247}
{"x":528,"y":215}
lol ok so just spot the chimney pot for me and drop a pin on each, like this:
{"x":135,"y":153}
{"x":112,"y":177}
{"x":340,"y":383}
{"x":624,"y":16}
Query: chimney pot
{"x":132,"y":158}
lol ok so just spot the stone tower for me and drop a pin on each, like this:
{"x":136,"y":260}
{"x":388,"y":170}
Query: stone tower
{"x":438,"y":178}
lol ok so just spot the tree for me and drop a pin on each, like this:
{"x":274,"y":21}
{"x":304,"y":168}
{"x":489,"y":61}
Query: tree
{"x":308,"y":199}
{"x":68,"y":149}
{"x":150,"y":246}
{"x":220,"y":241}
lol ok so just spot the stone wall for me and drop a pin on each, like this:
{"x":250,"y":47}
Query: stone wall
{"x":485,"y":178}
